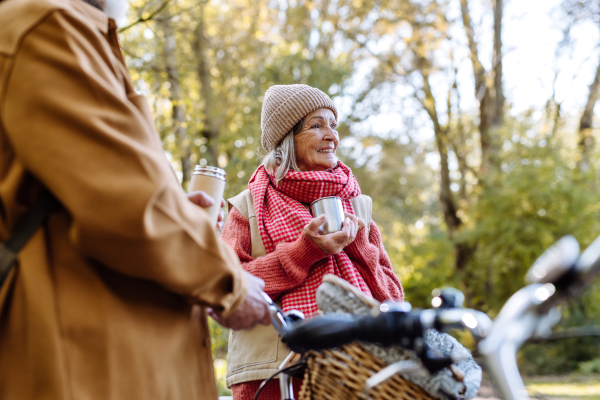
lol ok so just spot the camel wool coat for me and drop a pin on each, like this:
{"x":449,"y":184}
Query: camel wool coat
{"x":108,"y":300}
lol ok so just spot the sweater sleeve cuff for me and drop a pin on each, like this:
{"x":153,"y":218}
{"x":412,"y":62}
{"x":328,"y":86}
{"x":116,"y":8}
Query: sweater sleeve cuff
{"x":300,"y":256}
{"x":359,"y":246}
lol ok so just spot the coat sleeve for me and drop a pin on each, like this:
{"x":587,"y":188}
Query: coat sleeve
{"x":284,"y":269}
{"x":74,"y":127}
{"x":371,"y":260}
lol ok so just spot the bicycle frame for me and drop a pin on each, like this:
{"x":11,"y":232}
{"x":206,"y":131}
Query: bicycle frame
{"x":518,"y":321}
{"x":285,"y":380}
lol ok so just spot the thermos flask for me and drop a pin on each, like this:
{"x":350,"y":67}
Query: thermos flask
{"x":211,"y":180}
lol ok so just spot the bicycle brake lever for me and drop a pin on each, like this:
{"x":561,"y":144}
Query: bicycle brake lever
{"x":294,"y":315}
{"x":281,"y":322}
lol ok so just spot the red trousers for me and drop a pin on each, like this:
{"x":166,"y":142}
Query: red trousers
{"x":247,"y":390}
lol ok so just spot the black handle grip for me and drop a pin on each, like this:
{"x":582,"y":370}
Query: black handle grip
{"x":331,"y":331}
{"x":321,"y":333}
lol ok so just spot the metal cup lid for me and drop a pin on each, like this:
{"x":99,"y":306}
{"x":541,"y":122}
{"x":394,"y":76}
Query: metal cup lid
{"x":208,"y":170}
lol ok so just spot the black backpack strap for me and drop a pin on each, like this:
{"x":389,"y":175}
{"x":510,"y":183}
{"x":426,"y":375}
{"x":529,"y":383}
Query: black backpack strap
{"x":34,"y":218}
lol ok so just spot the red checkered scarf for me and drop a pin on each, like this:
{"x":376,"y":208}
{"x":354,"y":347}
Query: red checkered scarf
{"x":281,"y":218}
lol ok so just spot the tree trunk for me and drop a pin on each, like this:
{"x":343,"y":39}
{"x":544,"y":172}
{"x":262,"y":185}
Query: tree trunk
{"x":497,"y":119}
{"x":585,"y":124}
{"x":461,"y":157}
{"x":175,"y":96}
{"x":458,"y":139}
{"x":441,"y":139}
{"x":481,"y":92}
{"x":211,"y":124}
{"x":462,"y":252}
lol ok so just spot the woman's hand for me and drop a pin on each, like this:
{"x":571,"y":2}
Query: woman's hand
{"x":333,"y":243}
{"x":202,"y":199}
{"x":361,"y":224}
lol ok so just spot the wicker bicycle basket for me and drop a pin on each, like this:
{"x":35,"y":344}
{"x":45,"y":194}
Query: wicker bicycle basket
{"x":341,"y":374}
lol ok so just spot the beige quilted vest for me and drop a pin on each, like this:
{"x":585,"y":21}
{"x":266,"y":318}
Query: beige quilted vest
{"x":258,"y":353}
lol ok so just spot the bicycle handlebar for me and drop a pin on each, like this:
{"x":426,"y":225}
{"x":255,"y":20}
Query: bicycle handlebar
{"x":389,"y":328}
{"x":394,"y":325}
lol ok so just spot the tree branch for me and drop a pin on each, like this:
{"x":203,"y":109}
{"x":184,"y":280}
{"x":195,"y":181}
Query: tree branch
{"x":150,"y":16}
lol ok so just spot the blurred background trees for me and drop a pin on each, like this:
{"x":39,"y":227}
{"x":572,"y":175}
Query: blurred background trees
{"x":468,"y":188}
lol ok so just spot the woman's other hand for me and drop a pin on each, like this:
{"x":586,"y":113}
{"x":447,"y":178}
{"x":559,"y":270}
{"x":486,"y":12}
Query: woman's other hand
{"x":333,"y":243}
{"x":204,"y":200}
{"x":361,"y":224}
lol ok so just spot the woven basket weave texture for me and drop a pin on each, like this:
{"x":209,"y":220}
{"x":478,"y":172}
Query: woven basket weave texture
{"x":342,"y":373}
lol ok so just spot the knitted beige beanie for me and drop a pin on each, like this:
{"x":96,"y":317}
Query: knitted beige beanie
{"x":285,"y":105}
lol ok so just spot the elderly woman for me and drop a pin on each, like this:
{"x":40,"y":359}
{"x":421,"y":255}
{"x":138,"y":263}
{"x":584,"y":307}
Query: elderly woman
{"x":276,"y":238}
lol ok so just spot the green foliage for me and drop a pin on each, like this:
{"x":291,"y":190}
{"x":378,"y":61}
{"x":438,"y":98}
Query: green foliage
{"x":589,"y":367}
{"x":219,"y":339}
{"x":537,"y":197}
{"x":250,"y":47}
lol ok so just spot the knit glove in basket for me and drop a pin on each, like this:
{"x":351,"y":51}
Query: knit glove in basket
{"x":461,"y":380}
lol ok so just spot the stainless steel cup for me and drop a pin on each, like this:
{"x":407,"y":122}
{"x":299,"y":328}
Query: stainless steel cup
{"x":211,"y":180}
{"x":334,"y":213}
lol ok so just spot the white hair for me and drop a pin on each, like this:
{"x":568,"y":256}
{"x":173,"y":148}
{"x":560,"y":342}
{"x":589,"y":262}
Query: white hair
{"x":283,"y":157}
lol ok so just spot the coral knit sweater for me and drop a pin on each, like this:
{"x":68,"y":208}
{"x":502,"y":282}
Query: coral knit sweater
{"x":289,"y":265}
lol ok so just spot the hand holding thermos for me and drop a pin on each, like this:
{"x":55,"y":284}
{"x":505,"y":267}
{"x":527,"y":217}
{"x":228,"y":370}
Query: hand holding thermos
{"x":206,"y":190}
{"x":210,"y":181}
{"x":204,"y":200}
